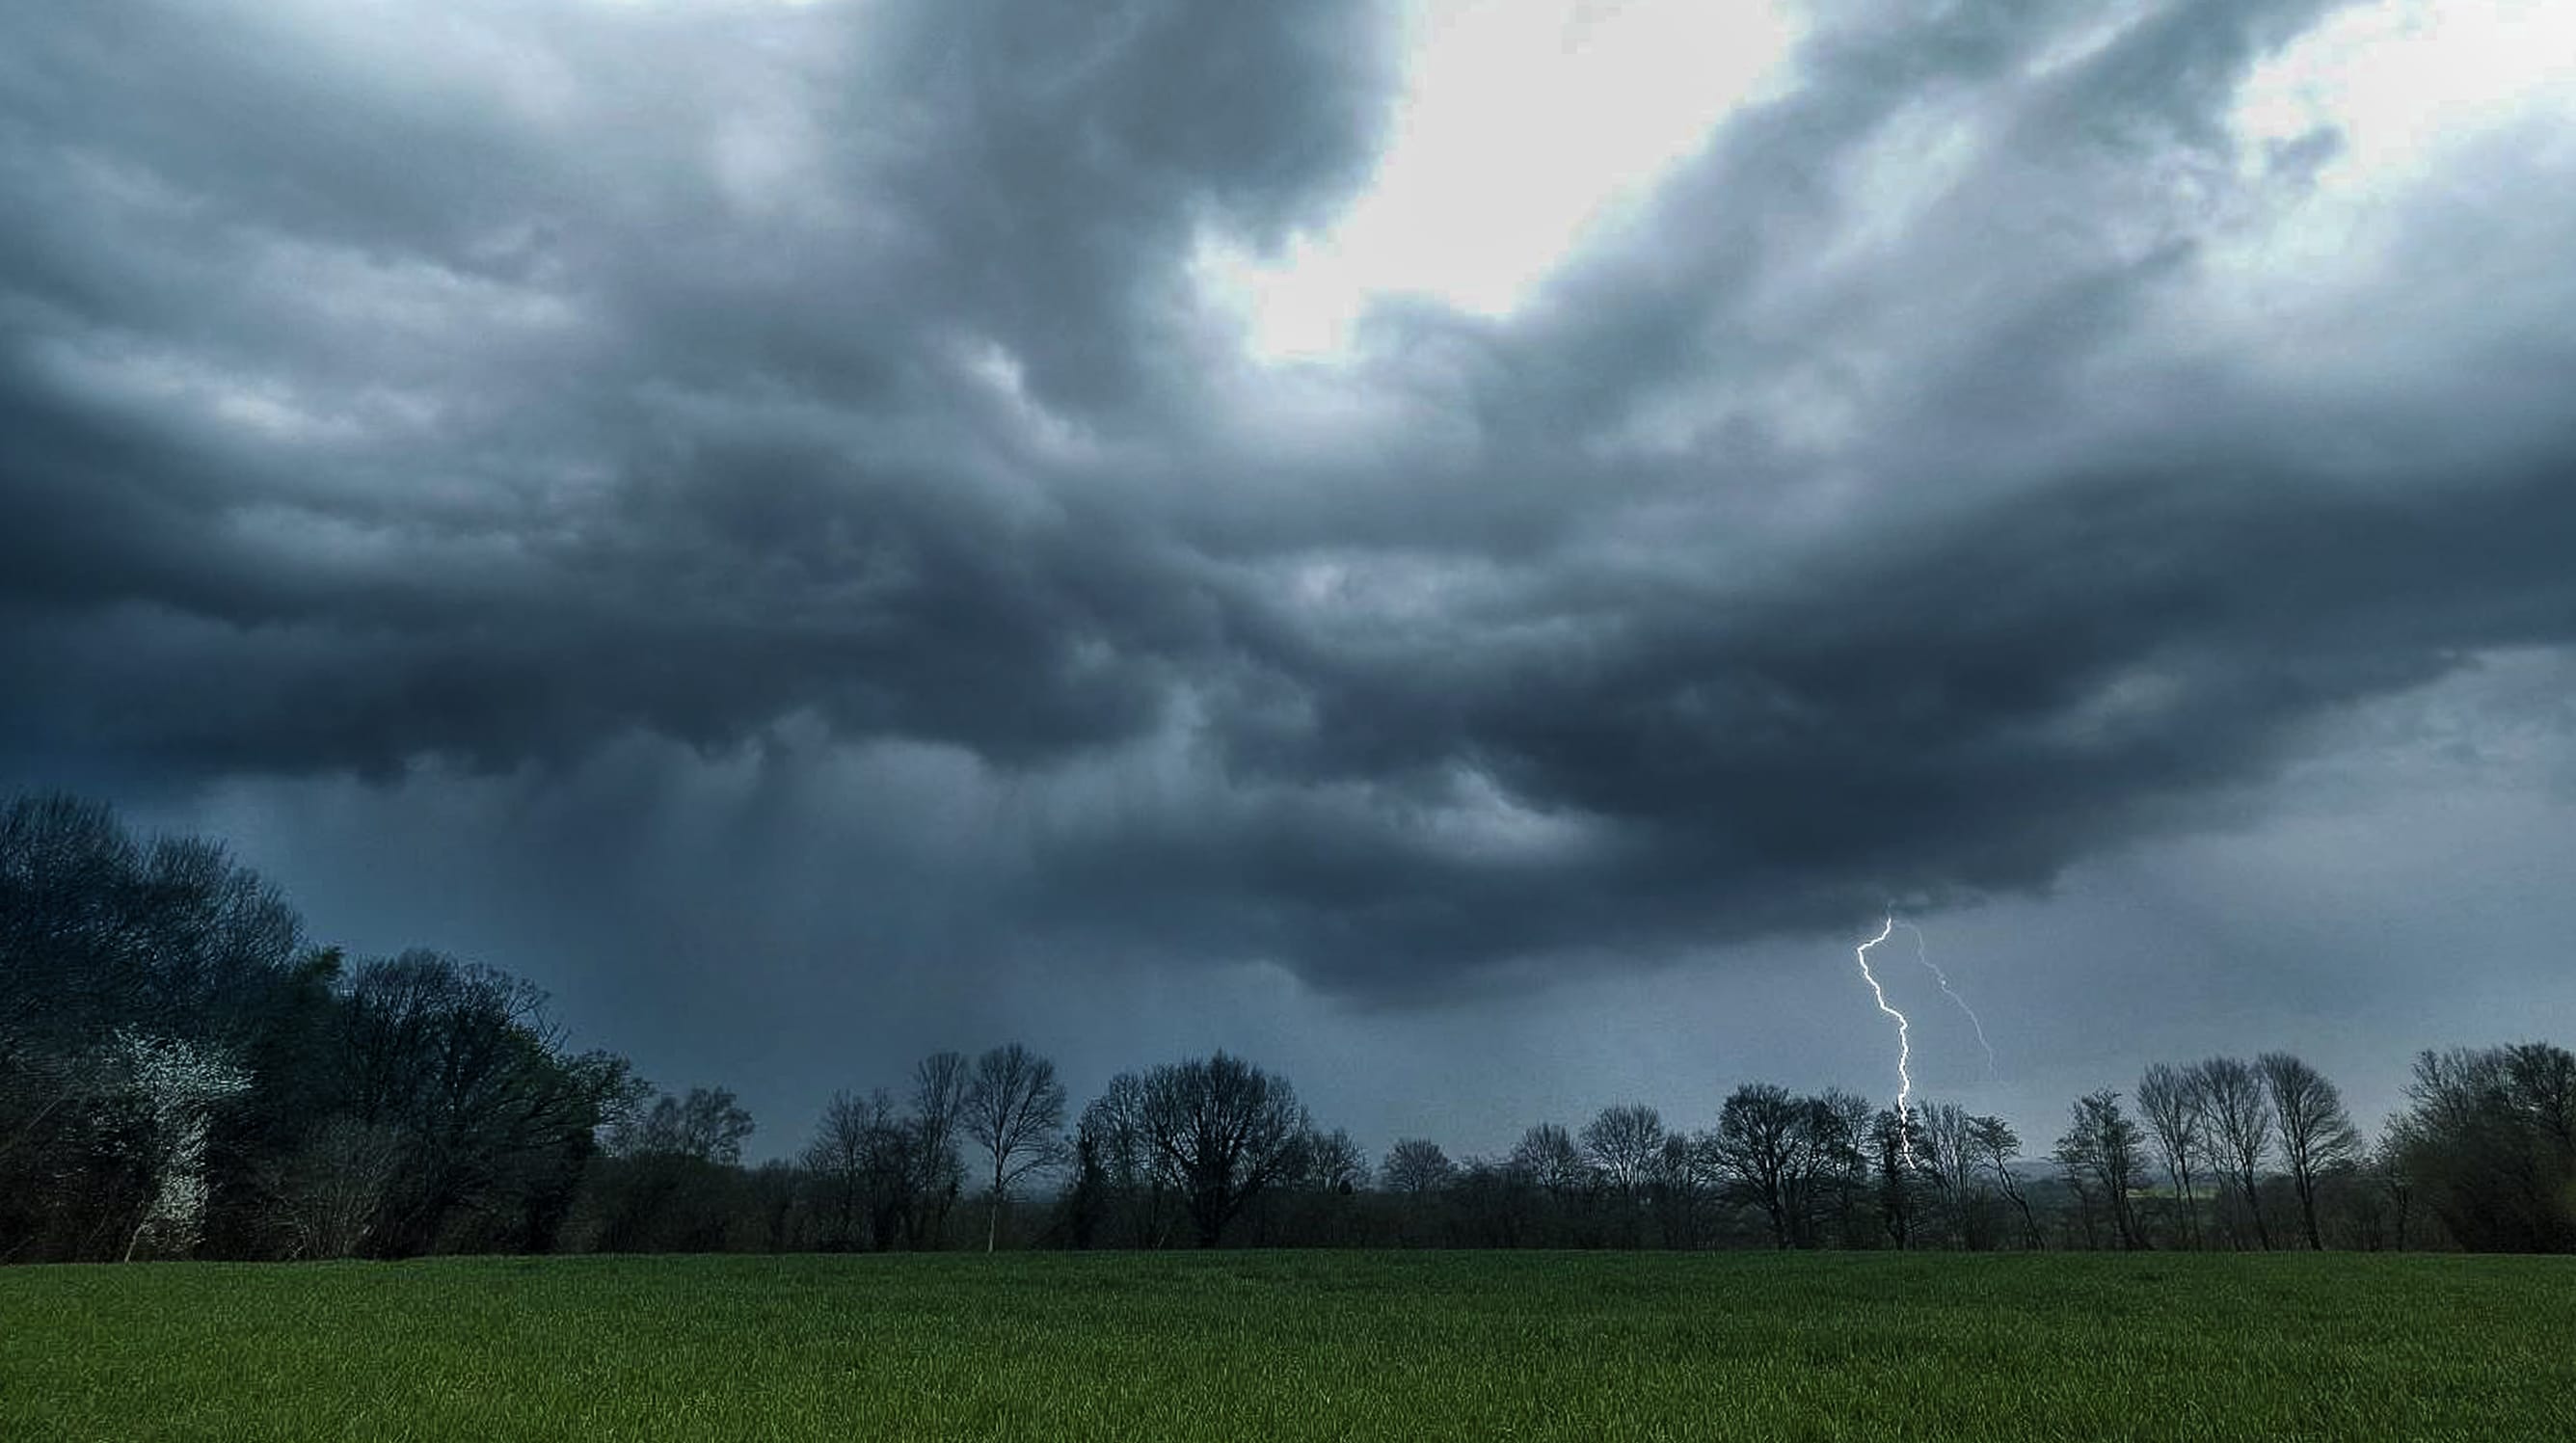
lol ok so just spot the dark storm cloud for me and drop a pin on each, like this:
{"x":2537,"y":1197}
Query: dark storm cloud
{"x":655,"y":454}
{"x":1878,"y":518}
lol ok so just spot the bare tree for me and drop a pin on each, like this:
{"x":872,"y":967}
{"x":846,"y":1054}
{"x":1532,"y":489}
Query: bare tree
{"x":167,"y":942}
{"x":1948,"y":1159}
{"x":1621,"y":1144}
{"x":326,"y":1198}
{"x":2172,"y":1106}
{"x":101,"y":930}
{"x":2316,"y":1132}
{"x":707,"y":1125}
{"x":1227,"y":1130}
{"x":1674,"y":1187}
{"x":2388,"y":1170}
{"x":672,"y":1180}
{"x":40,"y":1087}
{"x":1334,"y":1162}
{"x":940,"y":1083}
{"x":1125,"y":1173}
{"x":2238,"y":1117}
{"x":1494,"y":1203}
{"x":1015,"y":1113}
{"x":1547,"y":1152}
{"x":1897,"y":1150}
{"x":837,"y":1164}
{"x":866,"y":1166}
{"x":462,"y":1061}
{"x":2489,"y":1141}
{"x":1767,"y":1153}
{"x":1416,"y":1166}
{"x":2000,"y":1146}
{"x":1843,"y":1125}
{"x":2100,"y":1155}
{"x":1314,"y":1200}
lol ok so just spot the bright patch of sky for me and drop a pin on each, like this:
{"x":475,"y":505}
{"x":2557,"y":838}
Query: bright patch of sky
{"x":2403,"y":79}
{"x":1527,"y":127}
{"x":1524,"y":127}
{"x":2405,"y":88}
{"x":2402,"y":85}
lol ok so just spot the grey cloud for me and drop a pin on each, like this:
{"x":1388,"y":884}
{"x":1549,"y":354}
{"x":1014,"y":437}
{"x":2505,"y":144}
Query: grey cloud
{"x":778,"y":383}
{"x":686,"y":468}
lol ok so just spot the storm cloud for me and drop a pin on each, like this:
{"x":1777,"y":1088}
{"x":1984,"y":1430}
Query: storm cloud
{"x":1984,"y":455}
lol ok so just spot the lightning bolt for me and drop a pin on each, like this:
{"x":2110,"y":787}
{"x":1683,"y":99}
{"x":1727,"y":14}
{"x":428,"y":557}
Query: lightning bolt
{"x":1923,"y":954}
{"x":1904,"y":1046}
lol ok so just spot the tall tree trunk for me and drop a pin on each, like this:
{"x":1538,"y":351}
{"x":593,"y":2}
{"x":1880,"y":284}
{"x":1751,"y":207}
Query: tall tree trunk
{"x":2190,"y":1205}
{"x":2245,"y":1182}
{"x":993,"y":1211}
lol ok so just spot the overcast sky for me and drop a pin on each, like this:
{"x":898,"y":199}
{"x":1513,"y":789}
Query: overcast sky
{"x":1468,"y":550}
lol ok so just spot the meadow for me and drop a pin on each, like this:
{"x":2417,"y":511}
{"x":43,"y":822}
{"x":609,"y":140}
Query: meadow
{"x":1297,"y":1345}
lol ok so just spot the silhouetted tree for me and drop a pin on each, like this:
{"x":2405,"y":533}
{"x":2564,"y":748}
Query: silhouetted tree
{"x":2169,"y":1098}
{"x":1416,"y":1165}
{"x":1847,"y":1194}
{"x":1497,"y":1203}
{"x":1771,"y":1151}
{"x":2238,"y":1118}
{"x":1947,"y":1160}
{"x":1334,"y":1162}
{"x":1417,"y":1172}
{"x":1620,"y":1145}
{"x":1085,"y":1206}
{"x":168,"y":942}
{"x":496,"y":1120}
{"x":2388,"y":1171}
{"x":2317,"y":1135}
{"x":940,"y":1084}
{"x":1139,"y":1181}
{"x":2099,"y":1153}
{"x":878,"y":1183}
{"x":836,"y":1165}
{"x":1015,"y":1113}
{"x":1225,"y":1130}
{"x":1897,"y":1150}
{"x":1675,"y":1184}
{"x":99,"y":930}
{"x":327,"y":1197}
{"x":1315,"y":1202}
{"x":672,"y":1179}
{"x":1999,"y":1146}
{"x":2489,"y":1139}
{"x":707,"y":1125}
{"x":1548,"y":1154}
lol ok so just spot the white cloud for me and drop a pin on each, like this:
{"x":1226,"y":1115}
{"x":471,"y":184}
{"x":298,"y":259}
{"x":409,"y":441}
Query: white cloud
{"x":1525,"y":127}
{"x":2404,"y":88}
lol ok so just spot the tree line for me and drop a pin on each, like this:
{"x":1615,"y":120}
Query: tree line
{"x":183,"y":1072}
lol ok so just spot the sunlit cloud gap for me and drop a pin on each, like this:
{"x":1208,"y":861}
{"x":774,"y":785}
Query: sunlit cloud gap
{"x":1522,"y":130}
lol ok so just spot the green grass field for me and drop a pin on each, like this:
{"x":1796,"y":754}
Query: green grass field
{"x":1273,"y":1345}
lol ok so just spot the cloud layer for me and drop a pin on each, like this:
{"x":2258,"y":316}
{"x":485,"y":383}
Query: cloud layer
{"x":1971,"y":463}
